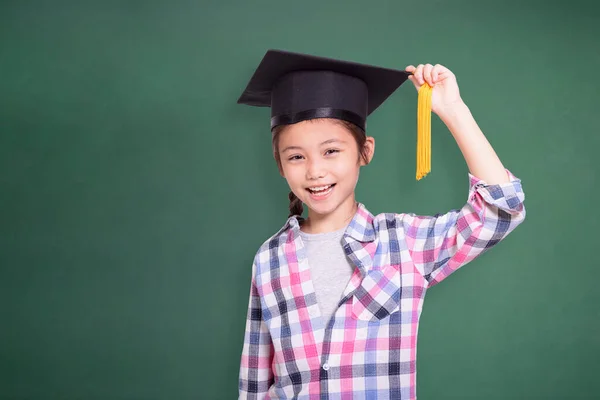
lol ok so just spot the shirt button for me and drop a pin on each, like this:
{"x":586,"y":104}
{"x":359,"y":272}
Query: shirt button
{"x":326,"y":367}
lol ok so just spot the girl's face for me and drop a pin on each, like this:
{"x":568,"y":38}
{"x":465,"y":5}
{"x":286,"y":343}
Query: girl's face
{"x":320,"y":161}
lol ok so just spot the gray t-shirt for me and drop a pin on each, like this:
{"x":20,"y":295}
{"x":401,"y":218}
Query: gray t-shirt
{"x":330,"y":268}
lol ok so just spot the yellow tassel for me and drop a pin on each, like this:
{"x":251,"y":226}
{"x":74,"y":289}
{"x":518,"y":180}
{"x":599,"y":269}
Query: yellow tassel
{"x":424,"y":131}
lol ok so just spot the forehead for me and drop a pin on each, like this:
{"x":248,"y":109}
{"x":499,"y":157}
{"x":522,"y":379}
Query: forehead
{"x":313,"y":133}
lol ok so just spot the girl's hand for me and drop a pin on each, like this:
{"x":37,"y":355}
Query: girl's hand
{"x":445,"y":89}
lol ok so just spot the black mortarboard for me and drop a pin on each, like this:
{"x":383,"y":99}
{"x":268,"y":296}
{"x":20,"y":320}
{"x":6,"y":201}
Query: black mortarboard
{"x":298,"y":87}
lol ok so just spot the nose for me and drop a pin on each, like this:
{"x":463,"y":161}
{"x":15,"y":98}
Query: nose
{"x":315,"y":170}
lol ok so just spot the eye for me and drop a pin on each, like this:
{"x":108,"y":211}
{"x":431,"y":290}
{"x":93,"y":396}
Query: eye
{"x":296,"y":157}
{"x":331,"y":151}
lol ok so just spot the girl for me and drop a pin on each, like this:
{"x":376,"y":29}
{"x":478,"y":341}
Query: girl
{"x":335,"y":298}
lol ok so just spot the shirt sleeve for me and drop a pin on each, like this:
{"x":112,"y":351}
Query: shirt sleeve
{"x":256,"y":374}
{"x":441,"y":244}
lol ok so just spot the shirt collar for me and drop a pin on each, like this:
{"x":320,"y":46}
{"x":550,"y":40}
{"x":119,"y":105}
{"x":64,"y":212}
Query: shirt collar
{"x":360,"y":228}
{"x":357,"y":241}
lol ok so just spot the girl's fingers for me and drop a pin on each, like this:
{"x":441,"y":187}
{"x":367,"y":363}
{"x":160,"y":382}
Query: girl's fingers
{"x":411,"y":69}
{"x":435,"y":73}
{"x":419,"y":74}
{"x":429,"y":73}
{"x":427,"y":69}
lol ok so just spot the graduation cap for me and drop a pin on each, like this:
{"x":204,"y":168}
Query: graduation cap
{"x":299,"y":87}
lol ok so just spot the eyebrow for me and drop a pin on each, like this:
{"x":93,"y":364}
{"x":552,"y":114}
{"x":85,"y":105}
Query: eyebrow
{"x":322,"y":144}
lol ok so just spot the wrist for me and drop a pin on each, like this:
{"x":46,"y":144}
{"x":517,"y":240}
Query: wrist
{"x":451,"y":112}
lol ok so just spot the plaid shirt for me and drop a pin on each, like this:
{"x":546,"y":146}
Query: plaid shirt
{"x":367,"y":350}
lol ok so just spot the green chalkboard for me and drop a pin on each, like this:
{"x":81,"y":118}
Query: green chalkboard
{"x":134,"y":191}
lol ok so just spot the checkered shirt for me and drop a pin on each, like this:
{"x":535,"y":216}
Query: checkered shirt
{"x":367,"y":350}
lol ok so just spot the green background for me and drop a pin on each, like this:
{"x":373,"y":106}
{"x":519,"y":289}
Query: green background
{"x":135,"y":191}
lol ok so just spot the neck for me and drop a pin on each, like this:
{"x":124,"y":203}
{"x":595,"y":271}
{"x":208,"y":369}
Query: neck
{"x":333,"y":221}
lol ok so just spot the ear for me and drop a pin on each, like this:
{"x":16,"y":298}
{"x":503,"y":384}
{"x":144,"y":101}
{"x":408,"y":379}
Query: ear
{"x":370,"y":147}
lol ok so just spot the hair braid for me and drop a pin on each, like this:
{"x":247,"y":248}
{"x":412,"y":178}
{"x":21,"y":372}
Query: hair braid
{"x":296,"y":207}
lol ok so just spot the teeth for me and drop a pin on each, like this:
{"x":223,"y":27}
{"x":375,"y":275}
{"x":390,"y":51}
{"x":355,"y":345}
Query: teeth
{"x":322,"y":193}
{"x":319,"y":188}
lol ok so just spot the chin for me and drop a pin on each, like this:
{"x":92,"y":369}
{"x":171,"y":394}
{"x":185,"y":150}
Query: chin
{"x":324,"y":208}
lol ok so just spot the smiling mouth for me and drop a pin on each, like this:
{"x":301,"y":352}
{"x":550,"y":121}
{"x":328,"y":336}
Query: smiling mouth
{"x":321,"y":190}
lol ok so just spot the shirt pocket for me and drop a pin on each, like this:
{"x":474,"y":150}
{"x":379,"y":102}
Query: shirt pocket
{"x":378,"y":295}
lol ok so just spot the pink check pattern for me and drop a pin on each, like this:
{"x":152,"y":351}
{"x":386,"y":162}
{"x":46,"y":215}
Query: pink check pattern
{"x":367,"y":350}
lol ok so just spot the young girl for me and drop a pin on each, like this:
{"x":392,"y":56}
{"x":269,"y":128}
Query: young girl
{"x":335,"y":298}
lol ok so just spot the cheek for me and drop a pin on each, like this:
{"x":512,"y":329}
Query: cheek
{"x":293,"y":174}
{"x":347,"y":171}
